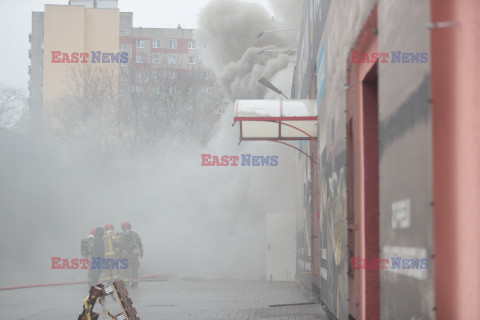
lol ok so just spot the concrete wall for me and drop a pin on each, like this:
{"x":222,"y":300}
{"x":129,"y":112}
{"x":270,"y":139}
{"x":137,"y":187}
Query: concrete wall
{"x":406,"y":159}
{"x":405,"y":156}
{"x":303,"y":205}
{"x":345,"y":20}
{"x":75,"y":29}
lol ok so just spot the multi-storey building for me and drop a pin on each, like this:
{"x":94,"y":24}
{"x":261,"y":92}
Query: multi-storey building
{"x":173,"y":50}
{"x":35,"y":69}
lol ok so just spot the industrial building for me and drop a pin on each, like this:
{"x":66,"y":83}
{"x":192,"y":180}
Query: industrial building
{"x":387,"y":184}
{"x":396,"y":87}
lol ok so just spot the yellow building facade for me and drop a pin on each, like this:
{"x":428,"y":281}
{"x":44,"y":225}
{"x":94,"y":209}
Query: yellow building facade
{"x":76,"y":38}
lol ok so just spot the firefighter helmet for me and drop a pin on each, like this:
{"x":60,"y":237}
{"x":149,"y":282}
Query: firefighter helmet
{"x":109,"y":227}
{"x":126,"y":225}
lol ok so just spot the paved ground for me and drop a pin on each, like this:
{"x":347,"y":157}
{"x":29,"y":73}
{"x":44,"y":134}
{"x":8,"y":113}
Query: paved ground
{"x":173,"y":299}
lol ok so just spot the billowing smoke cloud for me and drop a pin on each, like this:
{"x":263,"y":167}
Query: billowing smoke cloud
{"x":240,"y":78}
{"x":193,"y":220}
{"x":230,"y":27}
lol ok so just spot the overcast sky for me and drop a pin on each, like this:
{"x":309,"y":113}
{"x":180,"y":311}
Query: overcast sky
{"x":16,"y":24}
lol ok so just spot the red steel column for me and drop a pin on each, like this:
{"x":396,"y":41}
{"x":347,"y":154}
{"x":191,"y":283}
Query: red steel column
{"x":455,"y":55}
{"x":364,"y":292}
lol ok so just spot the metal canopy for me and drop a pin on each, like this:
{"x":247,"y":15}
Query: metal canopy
{"x":276,"y":119}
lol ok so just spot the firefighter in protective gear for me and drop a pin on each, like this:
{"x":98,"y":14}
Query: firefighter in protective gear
{"x":86,"y":244}
{"x":91,"y":240}
{"x":132,"y":249}
{"x":111,"y":243}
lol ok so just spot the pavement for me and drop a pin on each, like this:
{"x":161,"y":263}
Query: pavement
{"x":173,"y":299}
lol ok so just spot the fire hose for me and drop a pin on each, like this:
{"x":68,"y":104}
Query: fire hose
{"x":55,"y":284}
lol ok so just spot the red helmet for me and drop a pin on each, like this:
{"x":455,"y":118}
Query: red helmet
{"x":92,"y":232}
{"x":109,"y":227}
{"x":126,"y":226}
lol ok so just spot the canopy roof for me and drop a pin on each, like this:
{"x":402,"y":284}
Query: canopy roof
{"x":276,"y":119}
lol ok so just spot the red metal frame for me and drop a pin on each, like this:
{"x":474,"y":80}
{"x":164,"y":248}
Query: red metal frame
{"x":309,"y":157}
{"x":363,"y":229}
{"x":279,"y":121}
{"x":276,"y":140}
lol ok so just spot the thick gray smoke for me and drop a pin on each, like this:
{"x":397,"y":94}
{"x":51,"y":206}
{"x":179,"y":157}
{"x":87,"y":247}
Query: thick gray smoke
{"x":230,"y":27}
{"x":193,"y":220}
{"x":239,"y":79}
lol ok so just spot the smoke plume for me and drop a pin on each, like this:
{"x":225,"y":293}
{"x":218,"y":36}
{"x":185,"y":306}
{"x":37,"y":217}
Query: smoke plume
{"x":193,"y":220}
{"x":230,"y":27}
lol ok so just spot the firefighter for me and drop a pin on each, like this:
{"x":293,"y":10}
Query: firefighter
{"x":86,"y":244}
{"x":132,"y":249}
{"x":111,"y":243}
{"x":89,"y":255}
{"x":97,"y":250}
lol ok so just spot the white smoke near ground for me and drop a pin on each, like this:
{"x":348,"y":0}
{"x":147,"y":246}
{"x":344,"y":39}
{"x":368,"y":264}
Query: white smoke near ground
{"x":212,"y":221}
{"x":194,"y":221}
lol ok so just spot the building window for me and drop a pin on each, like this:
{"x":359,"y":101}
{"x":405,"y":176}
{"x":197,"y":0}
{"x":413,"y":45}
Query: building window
{"x":172,"y":74}
{"x":123,"y":48}
{"x":123,"y":33}
{"x":192,"y":59}
{"x":156,"y":58}
{"x":140,"y":44}
{"x":122,"y":64}
{"x":139,"y":59}
{"x":156,"y":43}
{"x":173,"y":44}
{"x":172,"y":60}
{"x":192,"y":45}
